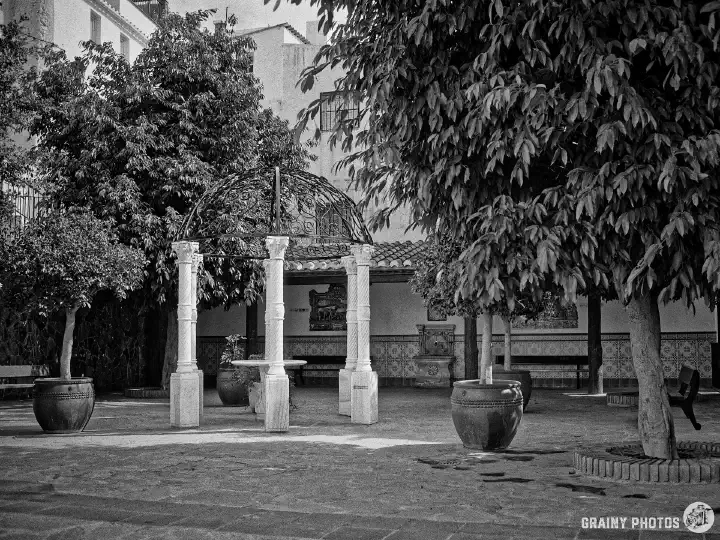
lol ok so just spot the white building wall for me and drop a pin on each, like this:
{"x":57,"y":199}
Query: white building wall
{"x":69,"y":22}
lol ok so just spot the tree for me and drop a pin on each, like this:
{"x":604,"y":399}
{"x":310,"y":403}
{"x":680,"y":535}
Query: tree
{"x":139,"y":144}
{"x":463,"y":105}
{"x":437,"y":279}
{"x":60,"y":261}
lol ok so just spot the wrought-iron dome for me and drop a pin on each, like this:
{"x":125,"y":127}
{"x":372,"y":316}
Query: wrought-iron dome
{"x":233,"y":218}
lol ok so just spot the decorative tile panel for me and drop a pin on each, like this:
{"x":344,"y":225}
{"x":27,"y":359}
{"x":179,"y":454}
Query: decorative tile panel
{"x":393,"y":354}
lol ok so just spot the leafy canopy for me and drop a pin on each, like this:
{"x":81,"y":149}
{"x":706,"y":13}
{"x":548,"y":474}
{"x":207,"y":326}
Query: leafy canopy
{"x":598,"y":119}
{"x":61,"y":261}
{"x":139,"y":144}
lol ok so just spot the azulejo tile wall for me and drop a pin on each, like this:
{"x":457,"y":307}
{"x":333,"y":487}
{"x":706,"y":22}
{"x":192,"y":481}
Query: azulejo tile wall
{"x":393,"y":355}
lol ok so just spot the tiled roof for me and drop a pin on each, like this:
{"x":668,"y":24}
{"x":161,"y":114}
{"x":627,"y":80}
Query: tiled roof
{"x":387,"y":255}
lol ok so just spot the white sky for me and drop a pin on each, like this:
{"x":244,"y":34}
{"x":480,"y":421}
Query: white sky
{"x":253,"y":13}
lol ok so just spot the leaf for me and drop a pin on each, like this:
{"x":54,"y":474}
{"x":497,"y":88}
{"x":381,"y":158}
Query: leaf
{"x":710,"y":7}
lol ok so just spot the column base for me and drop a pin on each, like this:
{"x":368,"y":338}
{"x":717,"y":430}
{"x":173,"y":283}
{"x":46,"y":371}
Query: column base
{"x":364,"y":408}
{"x":185,"y":399}
{"x":277,"y":403}
{"x":201,"y":391}
{"x":344,"y":392}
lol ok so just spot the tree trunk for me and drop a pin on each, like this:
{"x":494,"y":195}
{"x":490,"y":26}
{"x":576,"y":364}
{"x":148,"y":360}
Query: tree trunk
{"x":140,"y":348}
{"x":655,"y":421}
{"x":67,"y":344}
{"x":471,"y":348}
{"x":595,"y":359}
{"x":170,"y":359}
{"x":507,"y":323}
{"x":486,"y":357}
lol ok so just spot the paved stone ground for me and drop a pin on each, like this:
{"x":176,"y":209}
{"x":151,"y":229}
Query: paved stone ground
{"x":131,"y":476}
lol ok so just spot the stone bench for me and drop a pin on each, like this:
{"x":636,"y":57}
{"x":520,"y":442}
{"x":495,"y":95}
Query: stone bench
{"x":576,"y":364}
{"x":319,"y":363}
{"x":23,"y":376}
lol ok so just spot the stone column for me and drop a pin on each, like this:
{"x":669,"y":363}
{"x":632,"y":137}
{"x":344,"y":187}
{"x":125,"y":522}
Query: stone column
{"x":352,"y":336}
{"x":277,"y":384}
{"x":364,"y":381}
{"x":196,"y":263}
{"x":184,"y":385}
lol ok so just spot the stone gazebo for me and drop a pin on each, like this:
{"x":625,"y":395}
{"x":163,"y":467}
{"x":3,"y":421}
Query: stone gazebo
{"x":259,"y":215}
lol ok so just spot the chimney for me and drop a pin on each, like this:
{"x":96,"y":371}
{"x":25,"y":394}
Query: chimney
{"x":314,"y":34}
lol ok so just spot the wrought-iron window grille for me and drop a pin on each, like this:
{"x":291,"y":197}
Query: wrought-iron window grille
{"x":336,"y":106}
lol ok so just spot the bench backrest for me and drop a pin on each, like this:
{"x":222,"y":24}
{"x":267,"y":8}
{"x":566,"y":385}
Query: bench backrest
{"x":323,"y":359}
{"x":7,"y":372}
{"x":566,"y":360}
{"x":689,"y":377}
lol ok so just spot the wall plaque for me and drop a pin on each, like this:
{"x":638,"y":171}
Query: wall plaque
{"x":328,"y":310}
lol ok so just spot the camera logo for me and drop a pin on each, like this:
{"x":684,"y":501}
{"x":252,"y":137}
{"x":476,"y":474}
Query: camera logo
{"x":698,"y":517}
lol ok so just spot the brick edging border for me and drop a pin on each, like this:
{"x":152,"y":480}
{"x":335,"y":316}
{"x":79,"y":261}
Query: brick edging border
{"x":602,"y":464}
{"x":622,"y":398}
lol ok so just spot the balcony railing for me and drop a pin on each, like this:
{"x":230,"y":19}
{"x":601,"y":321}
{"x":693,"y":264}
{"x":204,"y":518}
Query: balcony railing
{"x":153,"y":9}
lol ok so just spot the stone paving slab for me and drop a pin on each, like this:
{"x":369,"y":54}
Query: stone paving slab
{"x":407,"y":477}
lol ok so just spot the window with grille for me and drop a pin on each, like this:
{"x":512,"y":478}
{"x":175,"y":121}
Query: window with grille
{"x":125,"y":46}
{"x":331,"y":220}
{"x":337,"y":106}
{"x":94,"y":27}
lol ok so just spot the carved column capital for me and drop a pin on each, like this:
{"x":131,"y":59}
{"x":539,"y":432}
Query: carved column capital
{"x":362,"y":254}
{"x":185,"y":250}
{"x":350,"y":264}
{"x":276,"y":246}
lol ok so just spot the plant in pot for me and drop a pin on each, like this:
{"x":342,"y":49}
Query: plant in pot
{"x":527,"y":307}
{"x":506,"y":271}
{"x":59,"y":262}
{"x":234,"y":382}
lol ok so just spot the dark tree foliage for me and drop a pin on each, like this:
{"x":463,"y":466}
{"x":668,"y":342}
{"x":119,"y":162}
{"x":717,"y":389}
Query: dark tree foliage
{"x":467,"y":107}
{"x":60,"y":262}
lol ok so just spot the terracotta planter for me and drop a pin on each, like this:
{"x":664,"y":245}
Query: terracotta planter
{"x":63,"y":405}
{"x":233,"y":384}
{"x":523,"y":376}
{"x":486,"y":416}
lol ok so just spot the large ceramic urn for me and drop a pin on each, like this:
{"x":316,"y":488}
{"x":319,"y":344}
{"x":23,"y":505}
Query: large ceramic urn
{"x":233,"y":385}
{"x":432,"y":365}
{"x":486,"y":416}
{"x":520,"y":375}
{"x":63,"y":405}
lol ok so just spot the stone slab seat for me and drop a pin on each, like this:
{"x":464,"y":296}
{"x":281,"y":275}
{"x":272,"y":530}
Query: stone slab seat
{"x":23,"y":376}
{"x":687,"y":378}
{"x":577,"y":364}
{"x":321,"y":363}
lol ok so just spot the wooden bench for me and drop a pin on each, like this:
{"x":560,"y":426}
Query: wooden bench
{"x":687,"y":378}
{"x":24,"y":376}
{"x":324,"y":363}
{"x":570,"y":364}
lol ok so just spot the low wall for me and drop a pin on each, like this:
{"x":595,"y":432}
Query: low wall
{"x":395,"y":365}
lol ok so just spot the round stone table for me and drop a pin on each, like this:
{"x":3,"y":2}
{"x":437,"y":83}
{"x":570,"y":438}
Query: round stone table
{"x":257,"y":394}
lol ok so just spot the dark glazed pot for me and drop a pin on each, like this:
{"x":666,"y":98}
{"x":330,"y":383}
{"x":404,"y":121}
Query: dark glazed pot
{"x":233,"y":384}
{"x":523,"y":376}
{"x":63,"y":405}
{"x":486,"y":416}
